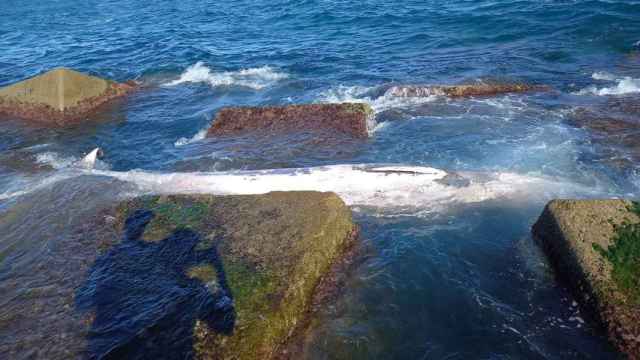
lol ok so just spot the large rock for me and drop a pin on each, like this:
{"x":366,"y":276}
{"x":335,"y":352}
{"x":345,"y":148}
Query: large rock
{"x":455,"y":91}
{"x":594,"y":246}
{"x":347,"y":118}
{"x":229,"y":277}
{"x":59,"y":97}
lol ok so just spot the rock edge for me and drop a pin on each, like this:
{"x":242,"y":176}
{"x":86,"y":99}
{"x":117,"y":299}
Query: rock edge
{"x":59,"y":97}
{"x":571,"y":232}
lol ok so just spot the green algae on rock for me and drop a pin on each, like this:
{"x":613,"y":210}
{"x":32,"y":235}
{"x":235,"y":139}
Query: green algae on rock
{"x":273,"y":250}
{"x":457,"y":91}
{"x":352,"y":119}
{"x":594,"y":246}
{"x":624,"y":256}
{"x":59,"y":97}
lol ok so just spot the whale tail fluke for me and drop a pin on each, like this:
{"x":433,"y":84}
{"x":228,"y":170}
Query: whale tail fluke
{"x":89,"y":161}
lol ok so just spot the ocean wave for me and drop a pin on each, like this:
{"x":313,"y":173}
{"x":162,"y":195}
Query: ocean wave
{"x":603,"y":75}
{"x":254,"y":78}
{"x":363,"y":94}
{"x":624,"y":85}
{"x":200,"y":135}
{"x":55,"y":160}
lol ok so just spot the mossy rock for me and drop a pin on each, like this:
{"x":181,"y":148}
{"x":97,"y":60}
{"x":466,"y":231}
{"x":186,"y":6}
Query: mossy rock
{"x":594,"y":246}
{"x":350,"y":119}
{"x":270,"y":253}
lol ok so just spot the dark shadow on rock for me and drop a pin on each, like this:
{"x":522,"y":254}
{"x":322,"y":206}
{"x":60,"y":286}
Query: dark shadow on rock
{"x":143,"y":303}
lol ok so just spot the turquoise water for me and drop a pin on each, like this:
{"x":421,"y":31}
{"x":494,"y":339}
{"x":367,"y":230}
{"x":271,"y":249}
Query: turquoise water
{"x":459,"y":280}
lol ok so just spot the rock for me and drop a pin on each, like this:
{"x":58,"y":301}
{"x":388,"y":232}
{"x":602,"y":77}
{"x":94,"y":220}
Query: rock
{"x":461,"y":90}
{"x":617,"y":126}
{"x":59,"y":97}
{"x":214,"y":277}
{"x":594,"y":247}
{"x":347,"y":118}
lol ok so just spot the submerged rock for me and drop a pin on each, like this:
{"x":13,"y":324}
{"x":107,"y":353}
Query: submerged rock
{"x":594,"y":246}
{"x":461,"y":90}
{"x":616,"y":125}
{"x":347,"y":118}
{"x":212,"y":277}
{"x":59,"y":97}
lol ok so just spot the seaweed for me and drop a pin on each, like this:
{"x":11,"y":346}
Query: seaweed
{"x":624,"y":256}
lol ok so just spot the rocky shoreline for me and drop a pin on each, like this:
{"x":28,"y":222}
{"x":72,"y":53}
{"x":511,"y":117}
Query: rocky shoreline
{"x":241,"y":276}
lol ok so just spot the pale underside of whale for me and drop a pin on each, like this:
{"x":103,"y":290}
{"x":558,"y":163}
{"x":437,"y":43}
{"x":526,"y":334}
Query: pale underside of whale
{"x":359,"y":184}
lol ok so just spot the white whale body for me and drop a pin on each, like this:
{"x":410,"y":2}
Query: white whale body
{"x":367,"y":185}
{"x":383,"y":186}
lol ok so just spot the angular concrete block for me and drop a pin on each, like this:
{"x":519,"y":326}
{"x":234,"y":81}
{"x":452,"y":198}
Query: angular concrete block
{"x":59,"y":96}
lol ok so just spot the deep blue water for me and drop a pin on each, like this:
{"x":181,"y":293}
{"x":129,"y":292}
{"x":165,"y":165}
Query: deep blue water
{"x":460,"y":281}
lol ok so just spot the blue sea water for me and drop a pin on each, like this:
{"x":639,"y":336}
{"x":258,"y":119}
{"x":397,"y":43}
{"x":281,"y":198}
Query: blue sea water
{"x":454,"y":282}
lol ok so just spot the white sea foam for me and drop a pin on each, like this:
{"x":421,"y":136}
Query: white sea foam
{"x":55,"y":160}
{"x":603,"y":75}
{"x":197,"y":137}
{"x":89,"y":161}
{"x":359,"y":94}
{"x":23,"y":186}
{"x":625,"y":85}
{"x":254,"y":78}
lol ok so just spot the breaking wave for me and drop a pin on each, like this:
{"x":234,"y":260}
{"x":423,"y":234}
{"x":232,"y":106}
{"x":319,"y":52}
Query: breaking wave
{"x":367,"y":95}
{"x":624,"y":85}
{"x":603,"y":75}
{"x":254,"y":78}
{"x":200,"y":135}
{"x":55,"y":160}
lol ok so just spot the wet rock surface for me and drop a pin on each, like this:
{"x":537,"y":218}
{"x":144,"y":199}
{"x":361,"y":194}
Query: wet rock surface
{"x":594,"y":247}
{"x":616,"y":125}
{"x":461,"y":90}
{"x":205,"y":277}
{"x":346,"y":118}
{"x":59,"y":97}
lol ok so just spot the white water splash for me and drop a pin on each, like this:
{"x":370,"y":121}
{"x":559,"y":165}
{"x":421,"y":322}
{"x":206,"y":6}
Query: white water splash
{"x":24,"y":186}
{"x":200,"y":135}
{"x":358,"y":94}
{"x":603,"y":75}
{"x":54,"y":160}
{"x":624,"y":85}
{"x":254,"y":78}
{"x":90,"y":161}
